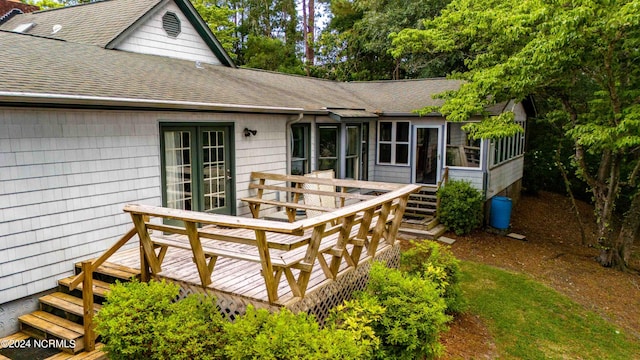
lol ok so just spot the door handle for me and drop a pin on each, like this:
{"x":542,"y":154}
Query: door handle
{"x":229,"y":177}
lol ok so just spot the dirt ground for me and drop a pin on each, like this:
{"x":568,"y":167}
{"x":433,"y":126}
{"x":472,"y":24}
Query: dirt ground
{"x":552,"y":254}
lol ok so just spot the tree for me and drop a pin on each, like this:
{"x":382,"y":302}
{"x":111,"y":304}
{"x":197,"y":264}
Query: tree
{"x":355,"y":44}
{"x":218,"y":18}
{"x":580,"y":56}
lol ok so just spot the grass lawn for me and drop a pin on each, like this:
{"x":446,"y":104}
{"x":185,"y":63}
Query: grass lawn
{"x":531,"y":321}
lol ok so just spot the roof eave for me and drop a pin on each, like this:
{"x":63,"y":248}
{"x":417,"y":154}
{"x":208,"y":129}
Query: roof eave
{"x":42,"y":99}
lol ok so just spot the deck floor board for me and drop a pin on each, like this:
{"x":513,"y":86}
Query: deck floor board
{"x":231,"y":276}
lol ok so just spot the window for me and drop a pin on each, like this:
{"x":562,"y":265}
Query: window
{"x":461,"y":150}
{"x":393,"y":142}
{"x":299,"y":149}
{"x":328,"y":148}
{"x":505,"y":149}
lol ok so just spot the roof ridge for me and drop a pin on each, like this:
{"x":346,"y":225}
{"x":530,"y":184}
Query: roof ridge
{"x":69,"y":7}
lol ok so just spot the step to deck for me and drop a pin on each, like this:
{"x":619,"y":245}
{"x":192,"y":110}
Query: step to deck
{"x":45,"y":326}
{"x":113,"y":271}
{"x":425,"y":224}
{"x":66,"y":303}
{"x":100,"y":288}
{"x":432,"y":234}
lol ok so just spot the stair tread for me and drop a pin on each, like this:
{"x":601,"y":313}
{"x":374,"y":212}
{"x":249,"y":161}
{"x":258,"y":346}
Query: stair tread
{"x":59,"y":321}
{"x":100,"y":288}
{"x":52,"y":324}
{"x":115,"y":270}
{"x":66,"y":302}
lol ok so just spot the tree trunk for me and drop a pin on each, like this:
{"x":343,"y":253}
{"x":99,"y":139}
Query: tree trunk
{"x":310,"y":35}
{"x":617,"y":256}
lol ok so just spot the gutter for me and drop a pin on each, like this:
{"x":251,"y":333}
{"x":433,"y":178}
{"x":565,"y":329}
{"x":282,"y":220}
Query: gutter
{"x":100,"y":101}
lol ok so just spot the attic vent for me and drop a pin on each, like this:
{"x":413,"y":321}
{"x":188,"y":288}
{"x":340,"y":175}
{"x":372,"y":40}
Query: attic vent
{"x":171,"y":24}
{"x":23,"y":28}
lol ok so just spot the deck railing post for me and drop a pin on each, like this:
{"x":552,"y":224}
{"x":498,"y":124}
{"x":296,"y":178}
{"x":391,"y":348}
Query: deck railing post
{"x":87,"y":302}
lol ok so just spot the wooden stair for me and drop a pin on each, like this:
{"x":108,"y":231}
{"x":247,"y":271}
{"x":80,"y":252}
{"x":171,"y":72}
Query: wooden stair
{"x":60,"y":318}
{"x":422,"y":204}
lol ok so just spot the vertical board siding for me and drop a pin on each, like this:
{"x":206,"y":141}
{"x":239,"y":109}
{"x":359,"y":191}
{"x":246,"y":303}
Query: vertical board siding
{"x":501,"y":177}
{"x":65,"y":176}
{"x":151,"y":38}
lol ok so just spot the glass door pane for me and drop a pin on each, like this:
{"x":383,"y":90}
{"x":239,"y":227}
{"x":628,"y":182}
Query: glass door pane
{"x":426,"y":156}
{"x":328,"y":148}
{"x":353,"y":152}
{"x":178,"y":167}
{"x":215,"y":170}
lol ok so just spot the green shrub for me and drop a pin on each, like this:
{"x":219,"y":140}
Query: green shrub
{"x":460,"y":206}
{"x":284,"y":335}
{"x":193,"y":329}
{"x":358,"y":317}
{"x":141,"y":321}
{"x":435,"y":262}
{"x":414,"y":314}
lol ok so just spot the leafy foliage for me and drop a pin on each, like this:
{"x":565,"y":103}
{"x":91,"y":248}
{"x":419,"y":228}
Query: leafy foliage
{"x":414,"y":314}
{"x":580,"y":56}
{"x":460,"y":206}
{"x":141,"y":321}
{"x":125,"y":319}
{"x":358,"y":318}
{"x":284,"y":335}
{"x":355,"y":44}
{"x":436,"y":263}
{"x":218,"y":18}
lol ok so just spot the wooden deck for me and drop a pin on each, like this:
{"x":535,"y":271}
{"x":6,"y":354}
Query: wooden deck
{"x":233,"y":277}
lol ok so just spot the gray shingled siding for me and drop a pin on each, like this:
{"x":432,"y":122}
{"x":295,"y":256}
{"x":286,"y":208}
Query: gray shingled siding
{"x":65,"y":176}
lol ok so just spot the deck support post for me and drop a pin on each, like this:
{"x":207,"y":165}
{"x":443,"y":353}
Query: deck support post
{"x":87,"y":303}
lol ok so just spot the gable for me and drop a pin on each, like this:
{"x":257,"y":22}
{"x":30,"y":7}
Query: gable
{"x":174,"y":36}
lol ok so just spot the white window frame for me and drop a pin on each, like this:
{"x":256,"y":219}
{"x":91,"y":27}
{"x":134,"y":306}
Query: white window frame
{"x":506,"y":149}
{"x":446,"y":143}
{"x":394,"y":143}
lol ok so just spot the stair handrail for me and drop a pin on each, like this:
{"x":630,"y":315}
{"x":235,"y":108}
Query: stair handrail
{"x":86,"y":278}
{"x":443,"y":181}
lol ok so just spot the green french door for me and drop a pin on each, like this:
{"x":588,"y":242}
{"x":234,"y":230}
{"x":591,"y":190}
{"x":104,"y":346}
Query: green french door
{"x":197,"y":168}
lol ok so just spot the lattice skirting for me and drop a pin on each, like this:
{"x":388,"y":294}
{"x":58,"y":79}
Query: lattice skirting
{"x":317,"y":301}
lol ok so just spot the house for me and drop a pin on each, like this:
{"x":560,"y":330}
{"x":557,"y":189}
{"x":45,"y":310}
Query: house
{"x":126,"y":101}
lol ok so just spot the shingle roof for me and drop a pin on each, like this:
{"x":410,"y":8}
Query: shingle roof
{"x":95,"y":23}
{"x":34,"y":65}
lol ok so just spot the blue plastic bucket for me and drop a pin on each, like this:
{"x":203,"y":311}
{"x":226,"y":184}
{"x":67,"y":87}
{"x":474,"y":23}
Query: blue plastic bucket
{"x":500,"y":212}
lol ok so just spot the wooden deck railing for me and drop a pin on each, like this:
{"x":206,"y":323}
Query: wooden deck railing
{"x":351,"y":233}
{"x":86,"y":278}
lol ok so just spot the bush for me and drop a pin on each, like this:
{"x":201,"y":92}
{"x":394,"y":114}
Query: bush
{"x":436,"y":263}
{"x":414,"y":314}
{"x":460,"y":206}
{"x":127,"y":319}
{"x":193,"y":329}
{"x":358,"y":318}
{"x":284,"y":335}
{"x":141,"y":321}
